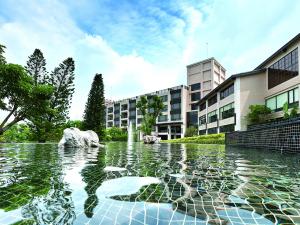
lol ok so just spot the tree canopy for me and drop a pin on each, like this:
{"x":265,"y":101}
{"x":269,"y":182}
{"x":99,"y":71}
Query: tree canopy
{"x":20,"y":97}
{"x":150,"y":108}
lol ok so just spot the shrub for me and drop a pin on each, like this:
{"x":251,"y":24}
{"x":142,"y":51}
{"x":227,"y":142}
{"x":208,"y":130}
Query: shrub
{"x":115,"y":134}
{"x":202,"y":139}
{"x":191,"y":131}
{"x":258,"y":114}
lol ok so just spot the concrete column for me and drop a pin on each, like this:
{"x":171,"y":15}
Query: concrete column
{"x":237,"y":104}
{"x":169,"y":132}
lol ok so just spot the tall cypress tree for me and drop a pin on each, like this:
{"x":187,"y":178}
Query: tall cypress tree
{"x":94,"y":113}
{"x":2,"y":51}
{"x":36,"y":67}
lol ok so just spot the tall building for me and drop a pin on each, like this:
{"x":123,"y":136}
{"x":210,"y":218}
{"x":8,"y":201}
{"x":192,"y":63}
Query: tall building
{"x":181,"y":102}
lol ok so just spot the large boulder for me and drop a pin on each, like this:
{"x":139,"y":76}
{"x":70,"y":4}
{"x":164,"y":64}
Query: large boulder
{"x":151,"y":139}
{"x":75,"y":138}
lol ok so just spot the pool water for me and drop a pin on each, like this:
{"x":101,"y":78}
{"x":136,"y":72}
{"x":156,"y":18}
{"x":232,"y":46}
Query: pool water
{"x":147,"y":184}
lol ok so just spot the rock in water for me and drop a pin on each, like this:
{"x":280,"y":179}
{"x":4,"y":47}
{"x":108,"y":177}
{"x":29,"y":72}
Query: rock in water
{"x":75,"y":138}
{"x":151,"y":139}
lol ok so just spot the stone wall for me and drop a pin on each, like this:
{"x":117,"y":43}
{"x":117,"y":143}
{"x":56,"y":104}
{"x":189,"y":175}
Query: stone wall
{"x":283,"y":137}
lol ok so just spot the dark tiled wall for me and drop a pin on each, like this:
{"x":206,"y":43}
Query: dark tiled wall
{"x":283,"y":137}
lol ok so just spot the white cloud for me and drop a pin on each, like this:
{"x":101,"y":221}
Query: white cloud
{"x":58,"y":37}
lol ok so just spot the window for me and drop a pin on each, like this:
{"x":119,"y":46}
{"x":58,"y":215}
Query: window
{"x":132,"y":113}
{"x":139,"y":120}
{"x":202,"y":106}
{"x":291,"y":97}
{"x":110,"y":117}
{"x":284,"y":69}
{"x":212,"y":100}
{"x":175,"y":117}
{"x":176,"y":106}
{"x":202,"y":120}
{"x":192,"y":119}
{"x":226,"y":92}
{"x":227,"y":128}
{"x":175,"y":95}
{"x":195,"y":87}
{"x":202,"y":132}
{"x":165,"y":109}
{"x":162,"y":118}
{"x":212,"y":116}
{"x":194,"y":106}
{"x":227,"y":111}
{"x":110,"y":110}
{"x":124,"y":107}
{"x":212,"y":130}
{"x":162,"y":129}
{"x":164,"y":98}
{"x":195,"y":96}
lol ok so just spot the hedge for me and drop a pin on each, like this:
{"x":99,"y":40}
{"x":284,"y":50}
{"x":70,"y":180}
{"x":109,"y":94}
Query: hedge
{"x":202,"y":139}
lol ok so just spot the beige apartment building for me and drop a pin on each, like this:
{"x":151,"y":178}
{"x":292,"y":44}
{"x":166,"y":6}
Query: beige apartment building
{"x":181,"y":102}
{"x":273,"y":83}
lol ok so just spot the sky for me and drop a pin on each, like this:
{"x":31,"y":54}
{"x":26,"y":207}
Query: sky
{"x":142,"y":46}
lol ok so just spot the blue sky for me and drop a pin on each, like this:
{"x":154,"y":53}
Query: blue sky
{"x":144,"y":45}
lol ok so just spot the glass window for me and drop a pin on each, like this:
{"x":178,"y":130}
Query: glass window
{"x":176,"y":106}
{"x":164,"y":98}
{"x":276,"y":103}
{"x":194,"y":106}
{"x":284,"y":69}
{"x":281,"y":99}
{"x":162,"y":118}
{"x":175,"y":117}
{"x":195,"y":87}
{"x":202,"y":106}
{"x":226,"y":92}
{"x":212,"y":116}
{"x":202,"y":120}
{"x":271,"y":103}
{"x":212,"y":100}
{"x":227,"y":111}
{"x":195,"y":96}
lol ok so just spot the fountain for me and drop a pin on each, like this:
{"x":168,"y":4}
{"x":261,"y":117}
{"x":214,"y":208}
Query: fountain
{"x":130,"y":134}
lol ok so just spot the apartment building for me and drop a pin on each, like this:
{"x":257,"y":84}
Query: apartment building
{"x":181,"y":102}
{"x":273,"y":83}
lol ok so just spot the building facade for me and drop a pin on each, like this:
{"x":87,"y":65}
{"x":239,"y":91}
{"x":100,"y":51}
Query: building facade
{"x":181,"y":102}
{"x":214,"y":104}
{"x":274,"y":82}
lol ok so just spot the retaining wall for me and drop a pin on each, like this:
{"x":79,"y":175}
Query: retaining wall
{"x":283,"y":137}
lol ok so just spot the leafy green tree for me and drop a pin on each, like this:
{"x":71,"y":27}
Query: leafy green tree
{"x":2,"y":51}
{"x":94,"y":113}
{"x":258,"y":113}
{"x":20,"y":97}
{"x":150,"y":109}
{"x":18,"y":133}
{"x":36,"y":67}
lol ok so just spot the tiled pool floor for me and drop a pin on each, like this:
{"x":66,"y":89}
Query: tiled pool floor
{"x":155,"y":184}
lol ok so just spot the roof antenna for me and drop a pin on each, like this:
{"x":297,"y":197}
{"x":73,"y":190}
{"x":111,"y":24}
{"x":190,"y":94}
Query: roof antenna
{"x":206,"y":49}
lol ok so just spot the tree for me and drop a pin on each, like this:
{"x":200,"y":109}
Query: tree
{"x":36,"y":67}
{"x":2,"y":51}
{"x":94,"y":113}
{"x":150,"y":109}
{"x":20,"y":97}
{"x":258,"y":113}
{"x":62,"y":79}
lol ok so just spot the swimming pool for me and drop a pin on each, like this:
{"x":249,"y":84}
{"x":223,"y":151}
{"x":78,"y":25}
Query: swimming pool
{"x":147,"y":184}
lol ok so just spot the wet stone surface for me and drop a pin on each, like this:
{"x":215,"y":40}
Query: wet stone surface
{"x":147,"y":184}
